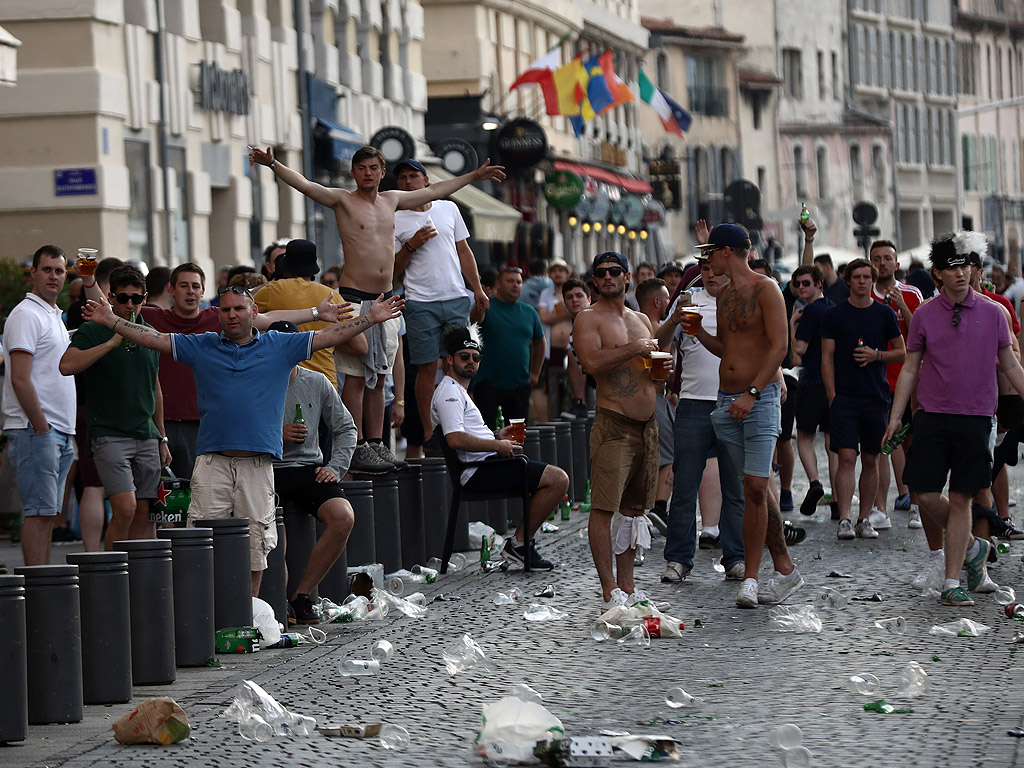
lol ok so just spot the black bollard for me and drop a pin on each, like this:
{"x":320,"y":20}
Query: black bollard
{"x":151,"y":586}
{"x":53,"y":639}
{"x":410,"y":510}
{"x":273,"y":586}
{"x":300,"y":535}
{"x":531,"y":444}
{"x":362,"y":547}
{"x":548,"y":444}
{"x":106,"y":626}
{"x":497,"y":513}
{"x":192,"y":566}
{"x":563,"y":447}
{"x":387,"y":522}
{"x":436,"y":490}
{"x":232,"y":572}
{"x":590,"y":427}
{"x":13,"y":661}
{"x":580,"y":464}
{"x":334,"y":584}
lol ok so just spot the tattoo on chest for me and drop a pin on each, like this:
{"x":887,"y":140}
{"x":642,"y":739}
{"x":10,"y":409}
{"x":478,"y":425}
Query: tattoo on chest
{"x":740,"y":305}
{"x":623,"y":383}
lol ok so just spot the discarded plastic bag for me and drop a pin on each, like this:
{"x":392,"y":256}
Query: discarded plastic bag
{"x":794,"y":618}
{"x":477,"y":531}
{"x":960,"y":628}
{"x":465,"y":655}
{"x":538,"y":612}
{"x":253,"y":707}
{"x":405,"y":607}
{"x":516,"y":725}
{"x":263,"y":619}
{"x":153,"y":721}
{"x":658,"y":624}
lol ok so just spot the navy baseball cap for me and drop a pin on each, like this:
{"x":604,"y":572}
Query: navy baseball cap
{"x":610,"y":256}
{"x":283,"y":326}
{"x":416,"y":165}
{"x":725,"y":236}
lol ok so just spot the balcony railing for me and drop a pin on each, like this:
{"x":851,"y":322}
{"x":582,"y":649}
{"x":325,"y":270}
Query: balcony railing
{"x":709,"y":101}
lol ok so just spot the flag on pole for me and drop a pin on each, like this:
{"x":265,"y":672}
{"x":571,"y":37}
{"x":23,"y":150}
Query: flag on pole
{"x":541,"y":72}
{"x":598,"y":95}
{"x":619,"y":90}
{"x":570,"y":81}
{"x":673,"y":117}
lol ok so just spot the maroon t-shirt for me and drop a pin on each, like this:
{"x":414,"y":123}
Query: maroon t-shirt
{"x":176,"y":380}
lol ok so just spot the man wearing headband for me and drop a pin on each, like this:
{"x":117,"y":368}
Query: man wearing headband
{"x":952,"y":342}
{"x":464,"y":429}
{"x":611,"y":342}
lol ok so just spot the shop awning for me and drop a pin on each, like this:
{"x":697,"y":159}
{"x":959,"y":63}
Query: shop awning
{"x":628,"y":183}
{"x":344,"y":141}
{"x":492,"y":219}
{"x":9,"y":45}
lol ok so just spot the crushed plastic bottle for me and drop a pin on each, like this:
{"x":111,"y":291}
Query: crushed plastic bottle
{"x":960,"y":628}
{"x":257,"y":711}
{"x":464,"y":656}
{"x":831,"y":599}
{"x":864,"y":683}
{"x":394,"y":737}
{"x":548,"y":527}
{"x":788,"y":736}
{"x":678,"y":698}
{"x":716,"y":564}
{"x":1005,"y":595}
{"x":894,"y":626}
{"x":359,"y":667}
{"x":429,"y":574}
{"x":539,"y":612}
{"x":601,"y":630}
{"x":252,"y":727}
{"x":794,"y":618}
{"x":382,"y":651}
{"x":913,"y":681}
{"x":637,"y":636}
{"x":511,"y":597}
{"x":385,"y":602}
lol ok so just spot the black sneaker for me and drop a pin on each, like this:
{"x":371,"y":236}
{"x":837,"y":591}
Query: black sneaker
{"x":578,"y":410}
{"x":810,"y":502}
{"x":707,"y":541}
{"x":794,"y":535}
{"x":1009,"y":530}
{"x":302,"y":610}
{"x":517,"y":553}
{"x":366,"y":459}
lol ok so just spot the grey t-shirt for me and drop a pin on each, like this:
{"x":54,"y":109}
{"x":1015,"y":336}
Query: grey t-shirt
{"x":319,"y":399}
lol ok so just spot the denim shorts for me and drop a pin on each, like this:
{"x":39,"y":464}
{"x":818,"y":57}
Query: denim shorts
{"x":750,"y":441}
{"x":426,"y":320}
{"x":41,"y":463}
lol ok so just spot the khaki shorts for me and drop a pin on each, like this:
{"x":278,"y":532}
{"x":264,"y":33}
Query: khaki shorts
{"x":623,"y":462}
{"x":352,"y":365}
{"x":226,"y":486}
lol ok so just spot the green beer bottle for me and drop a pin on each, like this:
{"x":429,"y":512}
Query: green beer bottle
{"x":565,"y":507}
{"x":499,"y":420}
{"x":298,"y":415}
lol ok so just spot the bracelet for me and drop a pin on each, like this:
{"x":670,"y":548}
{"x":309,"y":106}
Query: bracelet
{"x":400,"y":402}
{"x":89,"y":285}
{"x":411,"y":249}
{"x":164,"y":439}
{"x":273,"y":163}
{"x":878,"y":355}
{"x":316,"y":314}
{"x":808,"y":239}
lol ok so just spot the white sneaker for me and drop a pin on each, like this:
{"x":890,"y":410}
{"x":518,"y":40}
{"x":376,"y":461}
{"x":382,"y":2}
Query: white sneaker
{"x":780,"y":587}
{"x":747,"y":596}
{"x":934,"y":573}
{"x":879,"y":520}
{"x":618,"y":597}
{"x":638,"y":596}
{"x":675,"y":572}
{"x":736,"y":571}
{"x":864,"y":530}
{"x":915,"y":517}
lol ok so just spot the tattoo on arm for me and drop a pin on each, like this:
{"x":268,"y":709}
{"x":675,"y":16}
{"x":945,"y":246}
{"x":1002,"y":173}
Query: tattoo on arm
{"x":623,"y":383}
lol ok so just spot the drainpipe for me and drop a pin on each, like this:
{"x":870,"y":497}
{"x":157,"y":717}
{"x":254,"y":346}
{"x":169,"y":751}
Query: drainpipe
{"x":307,"y":148}
{"x":161,"y":78}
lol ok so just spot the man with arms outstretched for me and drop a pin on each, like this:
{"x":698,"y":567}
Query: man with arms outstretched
{"x":751,"y":341}
{"x":366,"y":224}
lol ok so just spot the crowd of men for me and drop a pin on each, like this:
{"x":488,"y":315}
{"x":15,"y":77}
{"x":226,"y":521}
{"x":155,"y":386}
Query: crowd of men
{"x":275,"y":389}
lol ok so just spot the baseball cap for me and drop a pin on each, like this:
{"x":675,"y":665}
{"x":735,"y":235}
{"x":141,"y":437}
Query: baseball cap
{"x":613,"y":256}
{"x":416,"y":165}
{"x":944,"y":255}
{"x":670,"y":267}
{"x":725,"y":236}
{"x":558,"y":262}
{"x":458,"y":339}
{"x":284,"y":326}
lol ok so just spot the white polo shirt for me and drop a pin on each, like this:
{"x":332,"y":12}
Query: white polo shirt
{"x":35,"y":327}
{"x":452,"y":408}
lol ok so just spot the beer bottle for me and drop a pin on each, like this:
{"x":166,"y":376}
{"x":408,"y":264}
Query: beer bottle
{"x":298,"y":415}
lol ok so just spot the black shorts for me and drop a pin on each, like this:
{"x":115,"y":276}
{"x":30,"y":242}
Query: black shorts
{"x":501,"y":477}
{"x":906,"y":418}
{"x":812,"y":409}
{"x":1007,"y":452}
{"x":789,"y":407}
{"x":297,"y":488}
{"x":857,"y":423}
{"x":949,"y":444}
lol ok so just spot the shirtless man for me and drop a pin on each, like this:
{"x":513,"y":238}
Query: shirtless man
{"x":366,"y":224}
{"x":610,"y":340}
{"x":751,"y":341}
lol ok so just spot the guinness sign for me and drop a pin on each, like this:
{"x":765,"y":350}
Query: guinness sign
{"x":522,"y":143}
{"x":222,"y":91}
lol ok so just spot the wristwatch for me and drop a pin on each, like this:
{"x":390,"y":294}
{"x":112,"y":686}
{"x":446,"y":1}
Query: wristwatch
{"x":755,"y":392}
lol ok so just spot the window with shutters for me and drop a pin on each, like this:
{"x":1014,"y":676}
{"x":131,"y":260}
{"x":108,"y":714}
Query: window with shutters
{"x":856,"y":172}
{"x":966,"y":68}
{"x":792,"y":73}
{"x":897,"y":60}
{"x":821,"y":163}
{"x":878,"y":174}
{"x":800,"y":172}
{"x":821,"y":75}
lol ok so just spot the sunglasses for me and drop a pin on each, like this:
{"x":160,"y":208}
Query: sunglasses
{"x":613,"y":271}
{"x":236,"y":289}
{"x":514,"y":270}
{"x":467,"y":356}
{"x":803,"y":283}
{"x":956,"y":314}
{"x":134,"y":298}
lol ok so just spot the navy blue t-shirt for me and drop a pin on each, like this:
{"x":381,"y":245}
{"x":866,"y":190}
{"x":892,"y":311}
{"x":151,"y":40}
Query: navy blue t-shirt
{"x":809,"y":330}
{"x":838,"y":291}
{"x":847,"y":325}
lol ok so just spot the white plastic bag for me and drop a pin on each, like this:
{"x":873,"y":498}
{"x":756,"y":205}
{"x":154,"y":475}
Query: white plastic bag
{"x":477,"y":531}
{"x":263,"y":619}
{"x":516,"y":726}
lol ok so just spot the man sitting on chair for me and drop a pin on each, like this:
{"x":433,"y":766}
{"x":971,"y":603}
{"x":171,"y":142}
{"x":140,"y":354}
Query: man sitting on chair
{"x":464,"y":429}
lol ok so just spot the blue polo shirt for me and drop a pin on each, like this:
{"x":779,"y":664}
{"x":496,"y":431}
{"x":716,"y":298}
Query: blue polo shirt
{"x":241,"y":388}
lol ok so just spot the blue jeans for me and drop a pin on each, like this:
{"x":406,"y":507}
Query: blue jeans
{"x":694,"y":442}
{"x":750,"y":442}
{"x":41,"y":463}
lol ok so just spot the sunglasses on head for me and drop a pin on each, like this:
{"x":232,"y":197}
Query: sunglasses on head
{"x":803,"y":283}
{"x":467,"y":356}
{"x":956,"y":314}
{"x":237,"y":289}
{"x":613,"y":271}
{"x":514,"y":270}
{"x":134,"y":298}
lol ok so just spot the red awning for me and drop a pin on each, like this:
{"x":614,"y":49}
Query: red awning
{"x":628,"y":183}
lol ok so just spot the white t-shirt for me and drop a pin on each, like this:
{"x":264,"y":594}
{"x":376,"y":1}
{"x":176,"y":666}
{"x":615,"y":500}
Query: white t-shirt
{"x":452,"y":408}
{"x":698,"y":379}
{"x":35,"y":327}
{"x":434,"y":272}
{"x":1014,"y":293}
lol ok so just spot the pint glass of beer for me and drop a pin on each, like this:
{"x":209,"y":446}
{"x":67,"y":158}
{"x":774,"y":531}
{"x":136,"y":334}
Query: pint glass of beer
{"x":691,"y":320}
{"x":659,"y":365}
{"x":86,"y":263}
{"x":518,"y":430}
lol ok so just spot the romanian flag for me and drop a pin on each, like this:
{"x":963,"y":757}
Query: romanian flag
{"x":673,"y":117}
{"x":570,"y":84}
{"x":542,"y":72}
